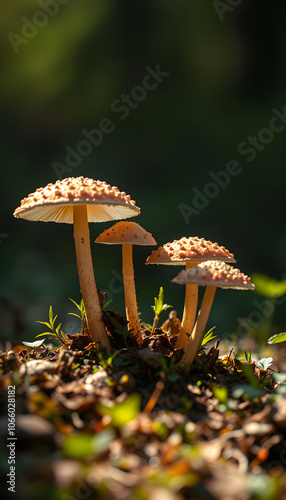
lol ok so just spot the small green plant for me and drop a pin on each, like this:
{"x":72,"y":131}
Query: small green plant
{"x":276,"y":339}
{"x":125,"y":334}
{"x":170,"y":368}
{"x":55,"y":330}
{"x":269,"y":287}
{"x":159,"y":307}
{"x":220,"y":393}
{"x":208,"y":337}
{"x":82,"y":315}
{"x":105,"y":362}
{"x":106,"y":304}
{"x":247,"y":356}
{"x":186,"y":405}
{"x":123,"y":412}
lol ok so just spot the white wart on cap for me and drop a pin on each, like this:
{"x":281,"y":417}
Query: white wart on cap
{"x":192,"y":249}
{"x":212,"y":274}
{"x":215,"y":273}
{"x":187,"y":252}
{"x":126,"y":232}
{"x":55,"y":202}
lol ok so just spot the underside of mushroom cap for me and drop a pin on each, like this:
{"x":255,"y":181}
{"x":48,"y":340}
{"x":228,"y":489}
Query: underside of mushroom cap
{"x":215,"y":273}
{"x":192,"y":249}
{"x":55,"y":202}
{"x":126,"y":232}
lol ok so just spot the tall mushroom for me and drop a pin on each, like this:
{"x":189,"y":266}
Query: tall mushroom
{"x":128,"y":233}
{"x":212,"y":274}
{"x":189,"y":252}
{"x":78,"y":201}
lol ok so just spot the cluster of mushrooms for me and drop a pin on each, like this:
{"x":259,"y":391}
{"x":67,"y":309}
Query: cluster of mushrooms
{"x":78,"y":201}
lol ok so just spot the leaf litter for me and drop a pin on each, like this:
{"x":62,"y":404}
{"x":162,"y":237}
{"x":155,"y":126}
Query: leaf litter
{"x":132,"y":425}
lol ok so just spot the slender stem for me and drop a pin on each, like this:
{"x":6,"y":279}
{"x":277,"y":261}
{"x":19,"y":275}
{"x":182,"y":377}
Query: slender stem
{"x":86,"y":277}
{"x":190,"y":311}
{"x":194,"y":341}
{"x":155,"y":323}
{"x":130,"y":293}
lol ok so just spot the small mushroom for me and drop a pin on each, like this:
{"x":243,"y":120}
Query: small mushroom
{"x":78,"y":201}
{"x":189,"y":252}
{"x":127,"y":233}
{"x":212,"y":274}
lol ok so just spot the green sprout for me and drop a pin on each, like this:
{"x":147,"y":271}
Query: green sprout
{"x":208,"y":337}
{"x":220,"y":393}
{"x":170,"y":368}
{"x":82,"y":315}
{"x":159,"y":307}
{"x":247,"y":356}
{"x":125,"y":333}
{"x":55,"y":330}
{"x":105,"y":362}
{"x":106,"y":304}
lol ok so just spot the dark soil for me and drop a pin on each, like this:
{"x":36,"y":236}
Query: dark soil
{"x":131,"y":425}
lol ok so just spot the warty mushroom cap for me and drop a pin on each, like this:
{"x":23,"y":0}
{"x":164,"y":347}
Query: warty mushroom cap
{"x":55,"y":202}
{"x":215,"y":273}
{"x":192,"y":249}
{"x":126,"y":232}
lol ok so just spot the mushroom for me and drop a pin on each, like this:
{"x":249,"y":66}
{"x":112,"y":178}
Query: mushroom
{"x":213,"y":274}
{"x":77,"y":201}
{"x":128,"y":233}
{"x":189,"y":252}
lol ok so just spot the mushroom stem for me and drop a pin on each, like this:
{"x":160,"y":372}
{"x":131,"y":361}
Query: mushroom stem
{"x":190,"y":311}
{"x":195,"y":339}
{"x":86,"y":277}
{"x":130,"y":293}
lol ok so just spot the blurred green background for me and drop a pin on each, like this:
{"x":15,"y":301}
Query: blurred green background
{"x":64,"y":63}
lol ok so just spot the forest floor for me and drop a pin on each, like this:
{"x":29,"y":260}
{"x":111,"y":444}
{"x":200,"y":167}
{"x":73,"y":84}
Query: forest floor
{"x":131,"y":425}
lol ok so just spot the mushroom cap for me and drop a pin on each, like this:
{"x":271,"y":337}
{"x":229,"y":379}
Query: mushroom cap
{"x":55,"y":202}
{"x":216,"y":273}
{"x":192,"y":249}
{"x":126,"y":232}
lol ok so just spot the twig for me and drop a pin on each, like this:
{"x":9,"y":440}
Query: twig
{"x":159,"y":387}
